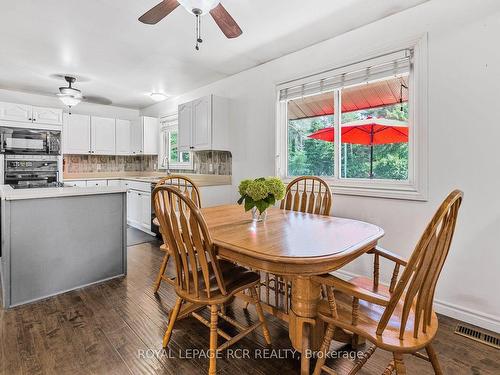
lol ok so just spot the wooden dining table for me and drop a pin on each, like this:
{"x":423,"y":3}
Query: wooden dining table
{"x":294,"y":245}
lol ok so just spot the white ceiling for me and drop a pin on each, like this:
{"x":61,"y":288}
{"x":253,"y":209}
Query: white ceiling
{"x":123,"y":60}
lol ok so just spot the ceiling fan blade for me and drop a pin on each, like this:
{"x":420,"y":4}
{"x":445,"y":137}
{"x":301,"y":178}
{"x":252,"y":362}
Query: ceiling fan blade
{"x":160,"y":11}
{"x":225,"y":22}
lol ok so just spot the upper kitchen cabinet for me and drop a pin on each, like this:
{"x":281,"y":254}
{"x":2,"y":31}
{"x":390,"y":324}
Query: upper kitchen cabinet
{"x":102,"y":135}
{"x":145,"y":136}
{"x":49,"y":116}
{"x":123,"y":144}
{"x":204,"y":124}
{"x":15,"y":112}
{"x":83,"y":134}
{"x":30,"y":114}
{"x":76,"y":134}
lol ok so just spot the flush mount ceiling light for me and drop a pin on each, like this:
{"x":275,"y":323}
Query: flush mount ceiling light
{"x":158,"y":96}
{"x":199,"y":8}
{"x":69,"y":96}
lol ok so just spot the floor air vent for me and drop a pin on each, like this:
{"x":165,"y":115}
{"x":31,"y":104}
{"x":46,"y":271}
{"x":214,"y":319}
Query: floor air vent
{"x":478,"y":335}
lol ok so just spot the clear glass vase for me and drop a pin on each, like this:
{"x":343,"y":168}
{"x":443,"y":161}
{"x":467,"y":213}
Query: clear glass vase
{"x":258,"y":216}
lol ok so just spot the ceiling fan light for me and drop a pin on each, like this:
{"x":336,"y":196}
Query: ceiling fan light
{"x":204,"y":6}
{"x":70,"y":91}
{"x":69,"y":100}
{"x":158,"y":96}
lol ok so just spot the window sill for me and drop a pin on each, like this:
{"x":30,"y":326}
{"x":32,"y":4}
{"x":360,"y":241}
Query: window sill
{"x":375,"y":189}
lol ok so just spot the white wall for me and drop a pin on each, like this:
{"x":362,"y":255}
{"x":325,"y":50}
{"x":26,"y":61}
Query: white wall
{"x":464,"y":84}
{"x":54,"y":102}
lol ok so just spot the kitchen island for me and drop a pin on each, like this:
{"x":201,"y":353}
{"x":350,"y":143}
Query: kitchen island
{"x":58,"y":239}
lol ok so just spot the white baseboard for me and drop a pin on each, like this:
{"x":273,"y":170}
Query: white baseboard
{"x":474,"y":317}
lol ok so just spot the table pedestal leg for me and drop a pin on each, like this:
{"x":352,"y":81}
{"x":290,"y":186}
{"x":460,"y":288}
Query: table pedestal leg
{"x":306,"y":332}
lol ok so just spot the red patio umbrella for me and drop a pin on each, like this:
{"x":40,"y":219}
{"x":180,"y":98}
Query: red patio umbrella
{"x":369,"y":132}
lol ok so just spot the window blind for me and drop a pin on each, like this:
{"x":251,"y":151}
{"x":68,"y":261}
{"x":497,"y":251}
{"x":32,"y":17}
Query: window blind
{"x":396,"y":63}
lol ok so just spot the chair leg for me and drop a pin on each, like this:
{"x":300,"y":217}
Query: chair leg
{"x":260,"y":313}
{"x":324,"y":349}
{"x":213,"y":340}
{"x":433,"y":359}
{"x":399,"y":364}
{"x":171,"y":322}
{"x":163,"y":267}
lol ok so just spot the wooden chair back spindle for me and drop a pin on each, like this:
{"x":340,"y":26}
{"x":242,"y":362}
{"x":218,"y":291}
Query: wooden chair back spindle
{"x":308,"y":194}
{"x":418,"y":281}
{"x":185,"y":185}
{"x":185,"y":231}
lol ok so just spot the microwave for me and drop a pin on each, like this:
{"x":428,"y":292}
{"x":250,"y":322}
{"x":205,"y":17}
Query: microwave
{"x":30,"y":141}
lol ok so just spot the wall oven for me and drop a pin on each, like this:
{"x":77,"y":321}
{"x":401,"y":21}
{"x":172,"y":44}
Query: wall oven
{"x":30,"y":141}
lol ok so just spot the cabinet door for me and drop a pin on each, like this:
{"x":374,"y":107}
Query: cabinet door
{"x":76,"y":134}
{"x":145,"y":199}
{"x":202,"y":124}
{"x":133,"y":207}
{"x":15,"y":112}
{"x":151,"y":134}
{"x":136,"y":137}
{"x":102,"y":135}
{"x":50,"y":116}
{"x":123,"y":129}
{"x":185,"y":127}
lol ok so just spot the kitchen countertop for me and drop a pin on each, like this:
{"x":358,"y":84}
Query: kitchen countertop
{"x":9,"y":194}
{"x":199,"y":179}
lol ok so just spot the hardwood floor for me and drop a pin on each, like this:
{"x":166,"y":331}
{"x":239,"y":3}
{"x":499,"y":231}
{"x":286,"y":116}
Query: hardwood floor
{"x":108,"y":329}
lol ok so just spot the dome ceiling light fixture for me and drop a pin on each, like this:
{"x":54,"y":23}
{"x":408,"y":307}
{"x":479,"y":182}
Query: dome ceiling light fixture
{"x":198,"y":8}
{"x":69,"y":96}
{"x":158,"y":96}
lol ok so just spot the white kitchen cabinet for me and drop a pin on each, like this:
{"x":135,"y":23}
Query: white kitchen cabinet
{"x":139,"y":209}
{"x":204,"y":124}
{"x":48,"y":116}
{"x":117,"y":183}
{"x":123,"y":137}
{"x":79,"y":183}
{"x":102,"y":135}
{"x":145,"y":136}
{"x":145,"y":204}
{"x":91,"y":183}
{"x":15,"y":112}
{"x":76,"y":134}
{"x":133,"y":208}
{"x":185,"y":115}
{"x":30,"y":114}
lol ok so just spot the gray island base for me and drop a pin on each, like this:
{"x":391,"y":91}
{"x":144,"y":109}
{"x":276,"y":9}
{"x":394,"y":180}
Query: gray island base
{"x":59,"y":239}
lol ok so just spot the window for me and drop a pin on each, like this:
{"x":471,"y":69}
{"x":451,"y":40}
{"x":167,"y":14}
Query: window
{"x":357,"y":127}
{"x":170,"y":156}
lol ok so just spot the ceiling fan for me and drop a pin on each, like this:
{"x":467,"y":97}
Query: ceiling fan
{"x":71,"y":96}
{"x":198,"y":8}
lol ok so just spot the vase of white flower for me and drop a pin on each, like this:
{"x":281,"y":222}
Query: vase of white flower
{"x":259,"y":194}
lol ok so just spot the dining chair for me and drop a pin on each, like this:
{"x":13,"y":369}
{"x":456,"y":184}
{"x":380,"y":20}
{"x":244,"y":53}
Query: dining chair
{"x":189,"y":189}
{"x":201,"y":277}
{"x":308,"y":194}
{"x":398,"y":318}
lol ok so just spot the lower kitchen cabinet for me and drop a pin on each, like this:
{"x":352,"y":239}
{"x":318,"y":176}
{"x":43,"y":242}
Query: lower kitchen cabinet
{"x":139,"y":209}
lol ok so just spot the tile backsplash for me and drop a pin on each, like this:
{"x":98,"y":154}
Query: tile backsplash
{"x":105,"y":163}
{"x":204,"y":162}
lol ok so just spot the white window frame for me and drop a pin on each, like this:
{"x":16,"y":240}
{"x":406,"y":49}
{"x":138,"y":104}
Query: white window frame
{"x":168,"y":124}
{"x":416,"y":187}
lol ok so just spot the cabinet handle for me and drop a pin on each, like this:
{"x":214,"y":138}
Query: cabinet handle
{"x":191,"y":147}
{"x":34,"y":119}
